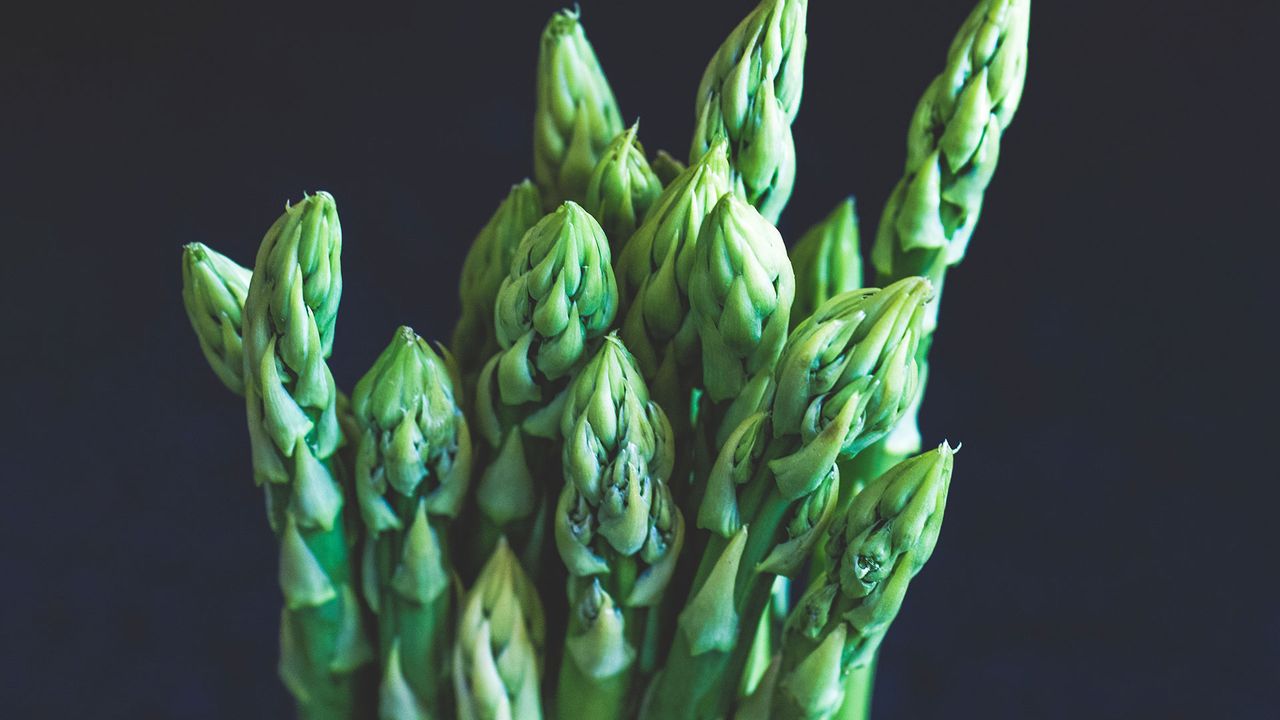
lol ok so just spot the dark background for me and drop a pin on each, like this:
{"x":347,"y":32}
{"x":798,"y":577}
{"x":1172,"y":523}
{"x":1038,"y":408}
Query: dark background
{"x":1104,"y":351}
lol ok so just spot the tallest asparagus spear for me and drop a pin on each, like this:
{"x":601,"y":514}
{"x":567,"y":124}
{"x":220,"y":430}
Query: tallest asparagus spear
{"x":750,"y":94}
{"x":291,"y":399}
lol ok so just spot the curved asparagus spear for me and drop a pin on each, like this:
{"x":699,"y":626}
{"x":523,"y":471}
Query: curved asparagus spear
{"x":552,"y":310}
{"x":213,"y":292}
{"x":952,"y":148}
{"x":750,"y":93}
{"x":826,"y":260}
{"x":497,"y":660}
{"x":488,"y":261}
{"x":616,"y":527}
{"x":622,"y":188}
{"x":412,"y":470}
{"x":876,"y":547}
{"x":289,"y":317}
{"x":576,"y":116}
{"x":845,"y":376}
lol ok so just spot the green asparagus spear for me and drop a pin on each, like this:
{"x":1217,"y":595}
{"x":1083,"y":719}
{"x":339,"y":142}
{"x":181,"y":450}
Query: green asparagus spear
{"x":844,"y":377}
{"x":289,"y":318}
{"x":750,"y":93}
{"x":876,"y":548}
{"x":622,"y":188}
{"x":576,"y":116}
{"x":213,"y":292}
{"x":552,"y":311}
{"x":740,"y":288}
{"x":412,"y":471}
{"x":666,"y":167}
{"x":653,"y":277}
{"x":487,"y":263}
{"x":497,"y":660}
{"x":616,"y":526}
{"x":826,"y":260}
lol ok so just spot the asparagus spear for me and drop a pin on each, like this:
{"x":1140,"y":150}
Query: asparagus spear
{"x":497,"y":660}
{"x":876,"y":547}
{"x":622,"y":188}
{"x":552,"y":311}
{"x":845,"y":376}
{"x":289,"y":318}
{"x":826,"y":260}
{"x":412,"y":471}
{"x":750,"y":93}
{"x":952,"y":148}
{"x":740,"y":288}
{"x":576,"y":116}
{"x":487,"y":263}
{"x":653,"y":277}
{"x":617,"y":529}
{"x":666,"y":167}
{"x":213,"y":292}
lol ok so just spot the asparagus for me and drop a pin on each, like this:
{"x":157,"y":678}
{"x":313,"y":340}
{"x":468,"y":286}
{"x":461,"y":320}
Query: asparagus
{"x":617,"y":530}
{"x":412,"y":470}
{"x":653,"y":277}
{"x":576,"y":116}
{"x":622,"y":188}
{"x":487,"y":263}
{"x":551,"y":312}
{"x":213,"y":292}
{"x":497,"y":660}
{"x":876,"y":547}
{"x":666,"y":167}
{"x":844,"y":377}
{"x":289,"y":318}
{"x":750,"y":93}
{"x":826,"y":260}
{"x":952,"y":148}
{"x":741,"y":288}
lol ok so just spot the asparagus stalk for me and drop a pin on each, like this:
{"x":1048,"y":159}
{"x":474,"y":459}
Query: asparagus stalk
{"x":844,"y":377}
{"x":622,"y":188}
{"x":617,"y":530}
{"x":750,"y":94}
{"x":952,"y":148}
{"x":551,"y":312}
{"x":497,"y":660}
{"x":876,"y":547}
{"x":488,"y":261}
{"x":289,"y":318}
{"x":576,"y":116}
{"x":826,"y":260}
{"x":412,"y":471}
{"x":213,"y":292}
{"x":666,"y":167}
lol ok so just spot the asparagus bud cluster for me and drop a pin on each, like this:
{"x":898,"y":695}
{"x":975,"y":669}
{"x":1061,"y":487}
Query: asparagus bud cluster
{"x":691,"y":496}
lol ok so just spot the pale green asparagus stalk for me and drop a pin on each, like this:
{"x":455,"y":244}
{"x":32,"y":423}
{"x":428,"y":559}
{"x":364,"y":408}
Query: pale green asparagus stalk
{"x":622,"y":188}
{"x":952,"y":148}
{"x":617,"y":529}
{"x":213,"y":292}
{"x":658,"y":326}
{"x":576,"y":116}
{"x":412,"y":470}
{"x":740,"y":288}
{"x":750,"y":93}
{"x":827,"y":260}
{"x":289,"y":317}
{"x":876,"y":547}
{"x":845,"y":376}
{"x":488,"y":262}
{"x":497,"y":660}
{"x":552,"y":311}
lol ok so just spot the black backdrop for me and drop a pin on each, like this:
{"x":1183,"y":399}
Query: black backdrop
{"x":1102,"y":350}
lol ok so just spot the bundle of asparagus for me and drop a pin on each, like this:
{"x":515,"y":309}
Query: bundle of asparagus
{"x":673,"y":415}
